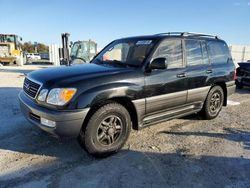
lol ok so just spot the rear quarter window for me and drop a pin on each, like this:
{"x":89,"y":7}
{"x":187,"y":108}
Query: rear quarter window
{"x":218,"y":52}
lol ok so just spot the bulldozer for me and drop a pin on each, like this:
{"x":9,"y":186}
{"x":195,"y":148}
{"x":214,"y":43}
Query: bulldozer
{"x":10,"y":49}
{"x":78,"y":52}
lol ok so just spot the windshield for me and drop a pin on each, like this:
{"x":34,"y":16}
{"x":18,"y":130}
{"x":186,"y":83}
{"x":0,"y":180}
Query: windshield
{"x":74,"y":49}
{"x":11,"y":39}
{"x":79,"y":50}
{"x":127,"y":51}
{"x":7,"y":38}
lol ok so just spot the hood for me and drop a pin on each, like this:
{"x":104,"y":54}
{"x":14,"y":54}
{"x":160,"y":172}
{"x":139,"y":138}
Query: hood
{"x":74,"y":73}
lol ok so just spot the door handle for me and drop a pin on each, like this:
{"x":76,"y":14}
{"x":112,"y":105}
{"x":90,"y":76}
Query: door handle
{"x":181,"y":75}
{"x":209,"y":71}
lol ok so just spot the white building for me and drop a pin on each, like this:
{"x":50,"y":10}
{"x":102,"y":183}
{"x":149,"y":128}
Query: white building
{"x":240,"y":53}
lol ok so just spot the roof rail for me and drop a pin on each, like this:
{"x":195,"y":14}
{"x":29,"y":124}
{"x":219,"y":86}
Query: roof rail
{"x":171,"y":33}
{"x":186,"y":34}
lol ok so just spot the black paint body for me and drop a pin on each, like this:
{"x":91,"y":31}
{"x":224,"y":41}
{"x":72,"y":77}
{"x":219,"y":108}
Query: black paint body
{"x":151,"y":95}
{"x":243,"y":74}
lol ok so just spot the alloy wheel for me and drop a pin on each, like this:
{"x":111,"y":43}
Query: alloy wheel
{"x":109,"y":130}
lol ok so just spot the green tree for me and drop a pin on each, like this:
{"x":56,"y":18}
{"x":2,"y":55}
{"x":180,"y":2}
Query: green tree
{"x":30,"y":47}
{"x":42,"y":48}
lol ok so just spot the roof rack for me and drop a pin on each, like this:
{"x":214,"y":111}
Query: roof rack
{"x":187,"y":34}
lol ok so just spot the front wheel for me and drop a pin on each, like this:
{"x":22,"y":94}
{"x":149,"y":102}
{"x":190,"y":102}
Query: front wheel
{"x":107,"y":130}
{"x":213,"y":103}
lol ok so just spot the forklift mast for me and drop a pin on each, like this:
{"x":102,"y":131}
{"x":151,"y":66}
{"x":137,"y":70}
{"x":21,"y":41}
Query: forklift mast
{"x":81,"y":51}
{"x":64,"y":51}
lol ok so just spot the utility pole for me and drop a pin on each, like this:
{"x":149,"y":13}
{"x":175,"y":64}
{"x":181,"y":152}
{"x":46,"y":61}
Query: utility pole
{"x":243,"y":53}
{"x":35,"y":44}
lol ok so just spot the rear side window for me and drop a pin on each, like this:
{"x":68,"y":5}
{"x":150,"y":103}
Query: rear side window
{"x":218,"y":52}
{"x":204,"y":53}
{"x":172,"y":51}
{"x":193,"y":52}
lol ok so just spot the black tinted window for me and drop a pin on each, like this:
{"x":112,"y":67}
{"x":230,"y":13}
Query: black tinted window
{"x":218,"y":52}
{"x":193,"y":52}
{"x":172,"y":51}
{"x":126,"y":51}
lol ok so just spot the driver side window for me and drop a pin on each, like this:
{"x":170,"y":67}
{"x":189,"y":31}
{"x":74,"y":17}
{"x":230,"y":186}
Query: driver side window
{"x":82,"y":50}
{"x":171,"y":49}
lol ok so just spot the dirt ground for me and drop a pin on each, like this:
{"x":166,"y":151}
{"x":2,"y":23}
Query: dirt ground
{"x":186,"y":152}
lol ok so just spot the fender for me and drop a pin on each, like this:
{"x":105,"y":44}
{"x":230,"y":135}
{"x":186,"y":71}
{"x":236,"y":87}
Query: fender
{"x":101,"y":93}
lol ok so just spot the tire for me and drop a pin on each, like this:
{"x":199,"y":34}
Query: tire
{"x":106,"y":131}
{"x":213,"y":103}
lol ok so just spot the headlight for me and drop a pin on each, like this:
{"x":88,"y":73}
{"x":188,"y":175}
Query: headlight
{"x":60,"y":96}
{"x":42,"y":95}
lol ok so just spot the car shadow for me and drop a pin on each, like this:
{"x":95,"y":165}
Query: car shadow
{"x":192,"y":117}
{"x":131,"y":168}
{"x":245,"y":90}
{"x":228,"y":134}
{"x":41,"y":160}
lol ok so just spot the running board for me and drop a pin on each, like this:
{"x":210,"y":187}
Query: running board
{"x":171,"y":114}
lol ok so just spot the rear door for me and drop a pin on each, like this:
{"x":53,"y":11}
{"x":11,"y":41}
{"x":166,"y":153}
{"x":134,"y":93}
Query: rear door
{"x":198,"y":70}
{"x":166,"y":89}
{"x":221,"y":61}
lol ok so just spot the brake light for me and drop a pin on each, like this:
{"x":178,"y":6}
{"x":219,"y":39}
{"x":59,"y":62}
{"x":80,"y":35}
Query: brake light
{"x":234,"y":74}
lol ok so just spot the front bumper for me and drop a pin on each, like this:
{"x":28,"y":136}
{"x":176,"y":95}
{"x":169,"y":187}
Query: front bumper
{"x":231,"y":87}
{"x":68,"y":123}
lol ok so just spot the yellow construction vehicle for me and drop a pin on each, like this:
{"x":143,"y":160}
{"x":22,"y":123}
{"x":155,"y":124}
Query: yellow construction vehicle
{"x":10,"y":49}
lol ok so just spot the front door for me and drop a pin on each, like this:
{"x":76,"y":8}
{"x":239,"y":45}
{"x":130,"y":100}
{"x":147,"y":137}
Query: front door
{"x":167,"y":89}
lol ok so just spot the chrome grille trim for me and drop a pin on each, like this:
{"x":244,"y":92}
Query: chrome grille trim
{"x":31,"y":87}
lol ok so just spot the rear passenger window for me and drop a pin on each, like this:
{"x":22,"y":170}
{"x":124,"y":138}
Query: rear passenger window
{"x":193,"y":52}
{"x":204,"y":53}
{"x":218,"y":52}
{"x":172,"y":51}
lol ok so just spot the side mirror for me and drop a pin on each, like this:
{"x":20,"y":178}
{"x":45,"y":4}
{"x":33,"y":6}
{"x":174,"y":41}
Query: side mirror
{"x":159,"y":63}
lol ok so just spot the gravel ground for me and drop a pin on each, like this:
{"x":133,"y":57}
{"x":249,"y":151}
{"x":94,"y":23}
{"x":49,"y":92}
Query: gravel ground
{"x":186,"y":152}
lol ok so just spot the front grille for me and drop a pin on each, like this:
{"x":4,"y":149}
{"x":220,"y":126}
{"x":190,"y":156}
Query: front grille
{"x":30,"y":88}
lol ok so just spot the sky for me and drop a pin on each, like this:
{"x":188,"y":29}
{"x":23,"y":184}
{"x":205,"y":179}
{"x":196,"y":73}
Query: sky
{"x":105,"y":20}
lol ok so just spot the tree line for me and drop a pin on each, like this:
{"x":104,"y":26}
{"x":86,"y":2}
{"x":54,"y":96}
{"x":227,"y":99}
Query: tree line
{"x":31,"y":48}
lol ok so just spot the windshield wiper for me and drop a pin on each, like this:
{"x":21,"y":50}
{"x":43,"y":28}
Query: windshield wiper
{"x":132,"y":65}
{"x":97,"y":61}
{"x":115,"y":62}
{"x":123,"y":64}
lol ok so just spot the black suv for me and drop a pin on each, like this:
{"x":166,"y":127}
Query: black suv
{"x":243,"y":75}
{"x":132,"y":83}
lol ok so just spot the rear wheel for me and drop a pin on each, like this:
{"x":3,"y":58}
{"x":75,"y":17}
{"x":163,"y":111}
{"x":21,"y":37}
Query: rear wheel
{"x":107,"y":130}
{"x":213,"y":103}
